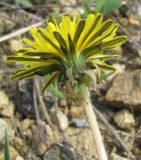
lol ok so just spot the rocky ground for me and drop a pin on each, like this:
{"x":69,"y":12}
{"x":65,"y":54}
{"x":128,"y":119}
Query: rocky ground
{"x":67,"y":136}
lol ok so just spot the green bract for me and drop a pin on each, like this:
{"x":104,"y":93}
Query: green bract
{"x":68,"y":50}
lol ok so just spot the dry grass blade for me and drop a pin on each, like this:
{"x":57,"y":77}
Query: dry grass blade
{"x":18,"y":32}
{"x":42,"y":104}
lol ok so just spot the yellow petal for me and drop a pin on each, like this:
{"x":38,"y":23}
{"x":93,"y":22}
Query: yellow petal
{"x":101,"y":28}
{"x":92,"y":22}
{"x":115,"y":42}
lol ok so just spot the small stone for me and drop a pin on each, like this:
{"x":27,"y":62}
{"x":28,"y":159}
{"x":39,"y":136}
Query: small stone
{"x":13,"y":153}
{"x":3,"y":127}
{"x":8,"y":111}
{"x":59,"y":118}
{"x":124,"y":119}
{"x":117,"y":157}
{"x":124,"y":21}
{"x":79,"y":123}
{"x":27,"y":123}
{"x":4,"y":100}
{"x":33,"y":127}
{"x":16,"y":44}
{"x":40,"y":141}
{"x":2,"y":155}
{"x":118,"y":50}
{"x":20,"y":145}
{"x":84,"y":138}
{"x":48,"y":130}
{"x":76,"y":112}
{"x":62,"y":103}
{"x":28,"y":133}
{"x":133,"y":20}
{"x":42,"y":148}
{"x":125,"y":90}
{"x":19,"y":158}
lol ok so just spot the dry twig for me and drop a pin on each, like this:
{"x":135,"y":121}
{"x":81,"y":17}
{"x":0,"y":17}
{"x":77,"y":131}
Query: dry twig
{"x":35,"y":103}
{"x":42,"y":104}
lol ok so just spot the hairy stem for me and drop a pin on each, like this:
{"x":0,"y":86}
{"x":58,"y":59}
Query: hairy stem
{"x":101,"y":152}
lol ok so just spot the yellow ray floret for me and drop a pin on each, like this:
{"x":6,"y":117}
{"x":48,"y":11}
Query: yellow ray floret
{"x":73,"y":46}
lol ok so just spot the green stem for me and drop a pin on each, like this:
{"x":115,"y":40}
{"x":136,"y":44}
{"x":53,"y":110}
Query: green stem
{"x":101,"y":152}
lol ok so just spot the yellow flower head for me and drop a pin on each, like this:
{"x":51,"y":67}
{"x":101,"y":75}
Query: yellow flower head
{"x":69,"y":48}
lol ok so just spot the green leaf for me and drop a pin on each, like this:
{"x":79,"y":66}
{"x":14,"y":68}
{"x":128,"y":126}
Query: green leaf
{"x":107,"y":6}
{"x":56,"y":92}
{"x":54,"y":14}
{"x":6,"y":150}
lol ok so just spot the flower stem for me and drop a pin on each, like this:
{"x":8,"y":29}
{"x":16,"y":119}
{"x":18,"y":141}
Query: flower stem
{"x":101,"y":152}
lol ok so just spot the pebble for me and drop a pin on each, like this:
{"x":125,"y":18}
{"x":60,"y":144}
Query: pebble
{"x":8,"y":111}
{"x":19,"y":158}
{"x":4,"y":126}
{"x":42,"y":147}
{"x":6,"y":107}
{"x":124,"y":119}
{"x":59,"y":118}
{"x":124,"y":22}
{"x":76,"y":112}
{"x":62,"y":103}
{"x":79,"y":123}
{"x":16,"y":44}
{"x":133,"y":20}
{"x":49,"y":130}
{"x":40,"y":141}
{"x":4,"y":100}
{"x":1,"y":155}
{"x":114,"y":156}
{"x":13,"y":153}
{"x":125,"y":90}
{"x":27,"y":123}
{"x":20,"y":145}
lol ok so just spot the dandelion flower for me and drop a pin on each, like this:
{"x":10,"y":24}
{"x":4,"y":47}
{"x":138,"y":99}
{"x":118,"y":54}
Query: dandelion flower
{"x":66,"y":50}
